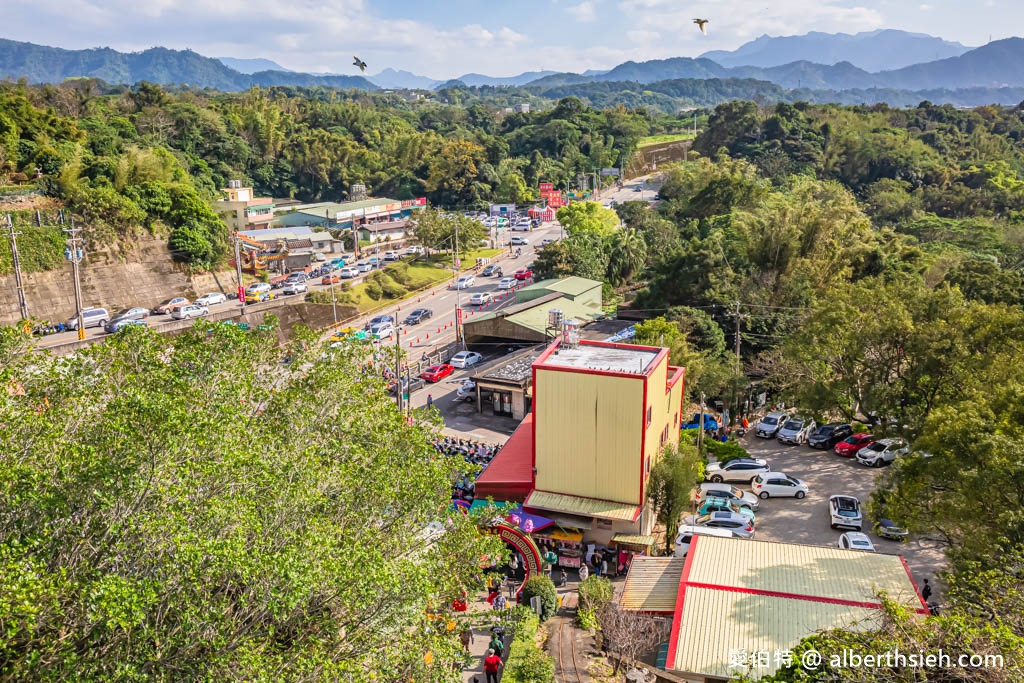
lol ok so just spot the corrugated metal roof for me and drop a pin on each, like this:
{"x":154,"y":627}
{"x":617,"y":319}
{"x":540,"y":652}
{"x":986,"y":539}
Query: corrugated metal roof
{"x":812,"y":571}
{"x":572,"y":285}
{"x":536,"y":318}
{"x":584,"y":507}
{"x":652,"y":584}
{"x":716,"y":622}
{"x":632,"y":539}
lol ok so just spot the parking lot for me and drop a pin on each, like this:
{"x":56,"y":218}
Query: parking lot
{"x":807,"y":521}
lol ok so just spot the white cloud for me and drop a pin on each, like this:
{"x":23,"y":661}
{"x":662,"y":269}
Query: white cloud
{"x":924,"y":7}
{"x":585,"y":12}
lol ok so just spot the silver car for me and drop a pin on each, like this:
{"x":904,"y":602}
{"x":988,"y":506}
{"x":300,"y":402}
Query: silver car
{"x":740,"y":525}
{"x":795,"y":430}
{"x":740,"y":469}
{"x":770,"y":424}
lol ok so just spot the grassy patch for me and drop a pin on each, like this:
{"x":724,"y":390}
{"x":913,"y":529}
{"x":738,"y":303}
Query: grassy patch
{"x":651,"y":140}
{"x":393,"y":283}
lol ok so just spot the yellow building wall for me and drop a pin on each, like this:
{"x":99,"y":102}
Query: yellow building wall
{"x":665,"y":412}
{"x":588,"y":430}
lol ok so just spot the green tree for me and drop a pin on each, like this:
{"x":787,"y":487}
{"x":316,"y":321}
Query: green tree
{"x":627,"y":255}
{"x":542,"y":587}
{"x":211,"y":543}
{"x":670,"y":488}
{"x":580,"y":217}
{"x":436,"y":230}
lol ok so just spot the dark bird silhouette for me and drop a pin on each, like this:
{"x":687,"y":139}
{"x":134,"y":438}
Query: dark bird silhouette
{"x":702,"y":24}
{"x":360,"y":63}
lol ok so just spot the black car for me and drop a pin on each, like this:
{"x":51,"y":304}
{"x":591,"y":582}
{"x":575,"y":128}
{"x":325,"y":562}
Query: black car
{"x":418,"y":316}
{"x":491,"y":271}
{"x":827,"y":436}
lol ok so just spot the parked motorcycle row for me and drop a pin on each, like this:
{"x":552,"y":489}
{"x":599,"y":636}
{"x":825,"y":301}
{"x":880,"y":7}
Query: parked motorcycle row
{"x":474,"y":452}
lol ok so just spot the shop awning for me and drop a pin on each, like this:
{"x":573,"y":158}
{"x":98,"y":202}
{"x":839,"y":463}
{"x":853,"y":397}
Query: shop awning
{"x":634,"y":540}
{"x":583,"y":507}
{"x":527,"y":522}
{"x":563,"y":535}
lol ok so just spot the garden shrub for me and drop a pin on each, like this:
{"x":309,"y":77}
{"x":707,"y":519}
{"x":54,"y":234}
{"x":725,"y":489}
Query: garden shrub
{"x":542,"y":586}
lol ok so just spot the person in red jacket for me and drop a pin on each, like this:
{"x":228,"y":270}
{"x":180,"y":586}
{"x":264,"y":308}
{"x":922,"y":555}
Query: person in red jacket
{"x":492,"y":664}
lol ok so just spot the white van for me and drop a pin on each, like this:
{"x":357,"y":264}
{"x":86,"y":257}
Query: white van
{"x":257,"y":288}
{"x":93,"y":316}
{"x":686,"y":534}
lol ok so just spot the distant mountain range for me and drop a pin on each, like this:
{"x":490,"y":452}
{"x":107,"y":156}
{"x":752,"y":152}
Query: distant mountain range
{"x":43,"y":64}
{"x":826,"y":65}
{"x":251,"y":66}
{"x":872,"y":51}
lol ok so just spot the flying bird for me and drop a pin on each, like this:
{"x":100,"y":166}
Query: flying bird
{"x":702,"y":24}
{"x":360,"y":63}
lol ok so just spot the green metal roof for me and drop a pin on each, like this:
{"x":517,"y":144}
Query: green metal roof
{"x":573,"y":286}
{"x":536,"y":318}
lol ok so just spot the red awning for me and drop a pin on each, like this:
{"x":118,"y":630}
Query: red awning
{"x":509,"y":476}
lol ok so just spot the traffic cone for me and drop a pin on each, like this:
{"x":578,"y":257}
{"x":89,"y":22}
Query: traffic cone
{"x":428,"y":335}
{"x":439,"y":329}
{"x":417,"y":340}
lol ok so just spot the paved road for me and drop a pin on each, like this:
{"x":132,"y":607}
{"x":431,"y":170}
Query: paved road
{"x":807,"y":521}
{"x":442,"y":300}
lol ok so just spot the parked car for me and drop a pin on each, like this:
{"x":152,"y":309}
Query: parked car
{"x":778,"y":485}
{"x":827,"y":436}
{"x":466,"y":391}
{"x":547,"y":241}
{"x":886,"y":528}
{"x":507,"y":283}
{"x":715,"y":504}
{"x":257,"y":297}
{"x":414,"y":250}
{"x":465,"y":282}
{"x":383,"y":330}
{"x":297,"y":276}
{"x":740,"y":469}
{"x":93,"y":316}
{"x":493,"y":270}
{"x":481,"y":299}
{"x":687,"y":532}
{"x":518,"y":241}
{"x":436,"y":373}
{"x":135,"y":313}
{"x":718,"y":490}
{"x":844,"y":511}
{"x":740,"y":526}
{"x":211,"y":299}
{"x":465,"y":359}
{"x":330,"y":279}
{"x":418,"y":316}
{"x":168,"y":305}
{"x":295,"y":288}
{"x":850,"y":445}
{"x":855,"y":540}
{"x":770,"y":424}
{"x":795,"y":430}
{"x":348,"y":272}
{"x":190,"y":311}
{"x":523,"y":274}
{"x":378,"y":319}
{"x":882,"y":452}
{"x":118,"y":324}
{"x":392,"y":256}
{"x":709,"y":422}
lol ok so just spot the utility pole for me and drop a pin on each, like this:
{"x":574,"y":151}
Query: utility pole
{"x":16,"y":263}
{"x":238,"y":270}
{"x":700,"y":429}
{"x":456,"y":261}
{"x":74,"y":253}
{"x":738,"y":319}
{"x":399,"y":389}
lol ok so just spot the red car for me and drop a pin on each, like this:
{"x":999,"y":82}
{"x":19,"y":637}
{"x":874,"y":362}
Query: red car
{"x":330,"y":279}
{"x":436,"y":373}
{"x":523,"y":274}
{"x":849,"y":446}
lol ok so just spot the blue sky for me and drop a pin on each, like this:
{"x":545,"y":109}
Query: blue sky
{"x":447,"y":38}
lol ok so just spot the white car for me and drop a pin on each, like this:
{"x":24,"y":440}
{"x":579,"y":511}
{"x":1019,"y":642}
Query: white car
{"x":294,"y":288}
{"x":348,"y":272}
{"x":740,"y":469}
{"x":686,"y":533}
{"x":738,"y":496}
{"x":189,"y":311}
{"x":465,"y":282}
{"x":364,"y":267}
{"x":392,"y":256}
{"x":778,"y":485}
{"x":464,"y":359}
{"x":520,"y":241}
{"x":844,"y":511}
{"x":507,"y":283}
{"x":855,"y":540}
{"x":382,"y":331}
{"x":481,"y":299}
{"x":414,"y":250}
{"x":211,"y":299}
{"x":795,"y":430}
{"x":739,"y":525}
{"x":882,"y":452}
{"x":467,"y":391}
{"x":770,"y":424}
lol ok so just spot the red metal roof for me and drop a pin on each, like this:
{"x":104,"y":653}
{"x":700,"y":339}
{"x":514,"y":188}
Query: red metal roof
{"x":509,"y":476}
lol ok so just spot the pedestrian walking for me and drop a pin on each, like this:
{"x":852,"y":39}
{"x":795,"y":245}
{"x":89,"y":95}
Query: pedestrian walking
{"x":563,"y":579}
{"x":584,"y":572}
{"x":500,"y":603}
{"x":496,"y":644}
{"x":430,"y":401}
{"x":492,"y":665}
{"x":467,"y":638}
{"x":926,"y":591}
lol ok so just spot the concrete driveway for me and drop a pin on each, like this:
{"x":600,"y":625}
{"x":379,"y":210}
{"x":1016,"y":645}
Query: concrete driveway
{"x":807,"y":521}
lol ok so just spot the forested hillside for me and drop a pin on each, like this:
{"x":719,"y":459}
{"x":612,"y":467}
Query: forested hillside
{"x":146,"y":159}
